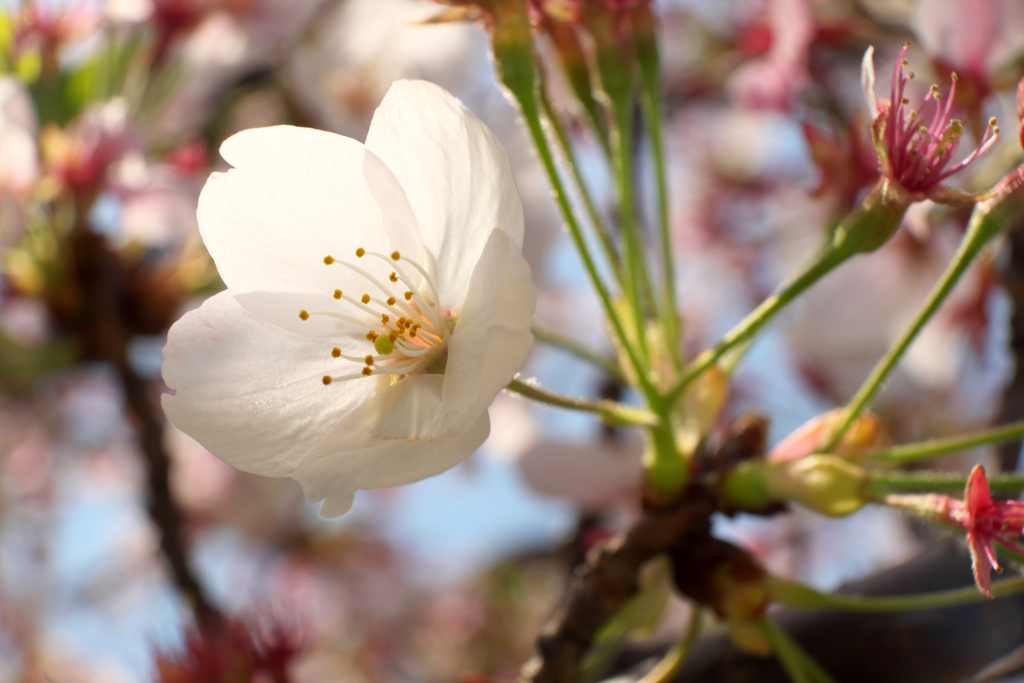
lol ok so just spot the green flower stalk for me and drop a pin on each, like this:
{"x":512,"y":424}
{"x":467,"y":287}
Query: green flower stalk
{"x":1000,"y":207}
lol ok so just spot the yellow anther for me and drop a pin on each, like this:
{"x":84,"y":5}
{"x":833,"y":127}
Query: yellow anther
{"x":391,"y":301}
{"x":304,"y":314}
{"x":408,"y":295}
{"x":371,"y":336}
{"x":992,"y":121}
{"x":393,"y":277}
{"x":905,"y":101}
{"x":401,"y":321}
{"x":412,"y":332}
{"x":360,"y":252}
{"x":393,"y":337}
{"x":336,"y":352}
{"x":995,"y":130}
{"x":327,"y":380}
{"x":367,"y":371}
{"x":369,"y":360}
{"x":384,"y":318}
{"x":366,"y":298}
{"x":328,"y":259}
{"x":953,"y":75}
{"x":337,"y":294}
{"x":910,"y":75}
{"x":395,"y":256}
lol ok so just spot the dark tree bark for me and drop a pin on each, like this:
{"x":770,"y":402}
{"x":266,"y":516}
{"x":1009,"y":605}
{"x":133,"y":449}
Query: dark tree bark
{"x":1013,"y":395}
{"x":946,"y":645}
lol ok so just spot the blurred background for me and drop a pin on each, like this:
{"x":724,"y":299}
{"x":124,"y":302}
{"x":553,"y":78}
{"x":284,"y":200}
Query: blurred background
{"x":113,"y":524}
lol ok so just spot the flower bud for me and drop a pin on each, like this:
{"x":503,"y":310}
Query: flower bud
{"x":826,"y":484}
{"x":861,"y":435}
{"x":702,"y":403}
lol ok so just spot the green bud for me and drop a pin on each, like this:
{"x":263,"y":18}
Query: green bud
{"x":826,"y":484}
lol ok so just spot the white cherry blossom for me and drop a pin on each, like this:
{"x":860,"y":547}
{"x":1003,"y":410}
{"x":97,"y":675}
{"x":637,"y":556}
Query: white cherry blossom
{"x":377,"y":300}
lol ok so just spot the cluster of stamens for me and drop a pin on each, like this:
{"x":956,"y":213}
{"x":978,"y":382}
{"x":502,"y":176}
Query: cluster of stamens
{"x":407,"y":329}
{"x":919,"y":151}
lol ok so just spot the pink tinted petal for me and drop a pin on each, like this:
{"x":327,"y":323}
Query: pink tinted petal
{"x":981,"y":565}
{"x":976,"y":494}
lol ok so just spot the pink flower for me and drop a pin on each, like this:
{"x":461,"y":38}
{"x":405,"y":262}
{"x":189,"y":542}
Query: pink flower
{"x":915,"y":147}
{"x":772,"y":82}
{"x":986,"y":522}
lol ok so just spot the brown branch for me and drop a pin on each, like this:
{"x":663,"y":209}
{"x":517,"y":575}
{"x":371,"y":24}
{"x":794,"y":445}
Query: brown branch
{"x":1013,"y":395}
{"x":610,"y":576}
{"x":602,"y":585}
{"x":945,"y":645}
{"x":103,"y":305}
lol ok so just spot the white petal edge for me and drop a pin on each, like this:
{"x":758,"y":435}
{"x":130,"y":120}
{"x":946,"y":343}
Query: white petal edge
{"x":455,"y":175}
{"x":251,"y":393}
{"x":294,"y":196}
{"x":398,"y":219}
{"x":395,"y":438}
{"x":867,"y":81}
{"x":492,"y":338}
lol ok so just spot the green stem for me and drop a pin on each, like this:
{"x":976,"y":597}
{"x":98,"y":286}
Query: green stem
{"x":812,"y":599}
{"x":880,"y":483}
{"x":552,"y":338}
{"x":651,"y":100}
{"x":666,"y":670}
{"x":570,"y":161}
{"x":609,"y":411}
{"x":760,"y":316}
{"x":785,"y":650}
{"x":862,"y":230}
{"x":799,"y":656}
{"x":638,"y":280}
{"x":979,"y":232}
{"x":528,"y":105}
{"x":927,"y":449}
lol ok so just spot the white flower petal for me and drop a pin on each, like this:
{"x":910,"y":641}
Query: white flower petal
{"x":399,"y":221}
{"x":282,"y":309}
{"x":455,"y":174}
{"x":867,"y":81}
{"x":294,"y":196}
{"x":492,"y":338}
{"x":250,"y":393}
{"x":594,"y":476}
{"x":395,"y":438}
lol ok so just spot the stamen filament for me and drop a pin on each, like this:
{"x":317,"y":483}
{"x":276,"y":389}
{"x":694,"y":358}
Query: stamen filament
{"x":376,"y":283}
{"x":434,"y":315}
{"x":342,"y":316}
{"x":414,"y":351}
